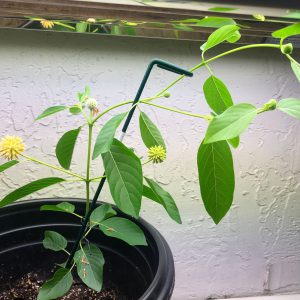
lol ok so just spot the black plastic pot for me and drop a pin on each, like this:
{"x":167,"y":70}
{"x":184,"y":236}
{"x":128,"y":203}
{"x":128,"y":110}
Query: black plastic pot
{"x":142,"y":272}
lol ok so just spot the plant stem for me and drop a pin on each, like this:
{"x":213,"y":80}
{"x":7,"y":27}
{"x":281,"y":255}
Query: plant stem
{"x":51,"y":166}
{"x":97,"y":178}
{"x":206,"y":117}
{"x":217,"y":57}
{"x":88,"y":165}
{"x":64,"y":25}
{"x":121,"y":104}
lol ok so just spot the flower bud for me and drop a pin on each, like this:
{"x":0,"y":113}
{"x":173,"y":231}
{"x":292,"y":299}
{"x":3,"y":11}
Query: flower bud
{"x":167,"y":94}
{"x":91,"y":20}
{"x":270,"y":105}
{"x":91,"y":103}
{"x":287,"y":48}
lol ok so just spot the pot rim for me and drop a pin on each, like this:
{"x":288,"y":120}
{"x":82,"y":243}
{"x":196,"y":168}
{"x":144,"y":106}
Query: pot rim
{"x":165,"y":270}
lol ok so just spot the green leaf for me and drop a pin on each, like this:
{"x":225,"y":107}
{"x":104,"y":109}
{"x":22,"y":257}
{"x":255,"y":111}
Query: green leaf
{"x":54,"y":241}
{"x":90,"y":262}
{"x":81,"y":27}
{"x":102,"y":212}
{"x":61,"y":207}
{"x":234,"y":37}
{"x":220,"y":35}
{"x":50,"y":111}
{"x":124,"y":230}
{"x":234,"y":142}
{"x":65,"y":147}
{"x":222,"y":9}
{"x":106,"y":135}
{"x":8,"y":164}
{"x":216,"y":94}
{"x":231,"y":123}
{"x":285,"y":32}
{"x":29,"y":189}
{"x":75,"y":110}
{"x":290,"y":106}
{"x":150,"y":133}
{"x":125,"y":179}
{"x":215,"y":22}
{"x":296,"y":69}
{"x":159,"y":195}
{"x":57,"y":286}
{"x":216,"y":178}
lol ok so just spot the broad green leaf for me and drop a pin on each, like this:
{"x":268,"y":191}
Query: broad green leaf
{"x":216,"y":94}
{"x":216,"y":178}
{"x":61,"y":207}
{"x":106,"y":135}
{"x":75,"y":110}
{"x":81,"y":27}
{"x":214,"y":22}
{"x":65,"y":147}
{"x":57,"y":286}
{"x":90,"y":262}
{"x":234,"y":142}
{"x":125,"y":179}
{"x":150,"y":133}
{"x":231,"y":123}
{"x":290,"y":106}
{"x":50,"y":111}
{"x":102,"y":212}
{"x":159,"y":195}
{"x":222,"y":9}
{"x":296,"y":69}
{"x":8,"y":164}
{"x":285,"y":32}
{"x":124,"y":230}
{"x":220,"y":35}
{"x":54,"y":241}
{"x":29,"y":189}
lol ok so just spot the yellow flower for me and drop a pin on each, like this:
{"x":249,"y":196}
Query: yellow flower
{"x":47,"y":24}
{"x":11,"y":147}
{"x":157,"y":154}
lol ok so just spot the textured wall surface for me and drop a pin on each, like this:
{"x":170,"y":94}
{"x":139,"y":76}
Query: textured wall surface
{"x":256,"y":248}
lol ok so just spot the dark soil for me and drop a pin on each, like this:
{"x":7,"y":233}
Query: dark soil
{"x":22,"y":276}
{"x":27,"y":288}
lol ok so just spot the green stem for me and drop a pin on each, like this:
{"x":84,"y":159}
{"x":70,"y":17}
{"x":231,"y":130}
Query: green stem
{"x":66,"y":251}
{"x":217,"y":57}
{"x":206,"y":117}
{"x":292,"y":59}
{"x":51,"y":166}
{"x":88,"y":166}
{"x":97,"y":178}
{"x":64,"y":25}
{"x":121,"y":104}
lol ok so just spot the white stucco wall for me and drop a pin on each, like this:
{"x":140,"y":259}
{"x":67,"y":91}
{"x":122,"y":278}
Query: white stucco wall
{"x":256,"y":248}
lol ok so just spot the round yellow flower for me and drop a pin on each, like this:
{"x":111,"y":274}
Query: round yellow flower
{"x":11,"y":147}
{"x":157,"y":154}
{"x":47,"y":24}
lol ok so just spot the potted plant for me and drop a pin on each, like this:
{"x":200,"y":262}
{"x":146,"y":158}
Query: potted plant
{"x":89,"y":239}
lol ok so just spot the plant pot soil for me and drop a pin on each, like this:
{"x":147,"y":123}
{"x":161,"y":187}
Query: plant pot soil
{"x":130,"y":273}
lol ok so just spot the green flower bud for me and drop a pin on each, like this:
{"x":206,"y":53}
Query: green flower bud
{"x":287,"y":48}
{"x":167,"y":94}
{"x":270,"y":105}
